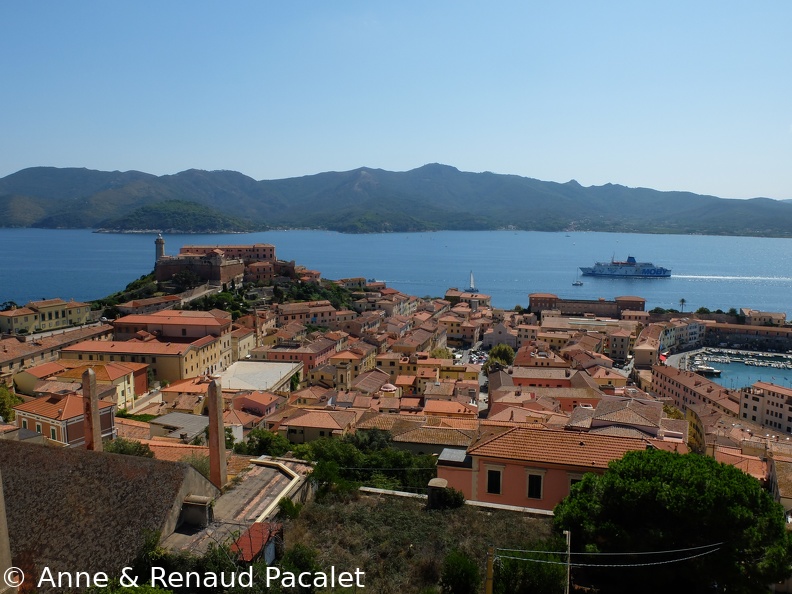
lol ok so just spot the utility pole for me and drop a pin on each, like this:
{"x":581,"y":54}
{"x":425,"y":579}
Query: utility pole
{"x":568,"y":535}
{"x":490,"y":579}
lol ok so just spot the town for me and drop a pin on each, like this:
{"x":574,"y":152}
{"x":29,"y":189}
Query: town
{"x":232,"y":373}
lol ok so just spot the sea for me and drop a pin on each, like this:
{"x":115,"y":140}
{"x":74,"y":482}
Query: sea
{"x":711,"y":272}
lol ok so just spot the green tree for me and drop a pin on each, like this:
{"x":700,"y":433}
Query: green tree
{"x":442,"y":353}
{"x":128,"y":447}
{"x":299,"y":559}
{"x":729,"y":530}
{"x":261,"y":442}
{"x":503,"y":352}
{"x":461,"y":574}
{"x":186,"y":279}
{"x":530,"y":573}
{"x":8,"y":400}
{"x":682,"y":303}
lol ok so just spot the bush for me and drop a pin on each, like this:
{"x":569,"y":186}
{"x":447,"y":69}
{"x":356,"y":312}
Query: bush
{"x":199,"y":462}
{"x":128,"y":447}
{"x":449,"y":498}
{"x":460,"y":575}
{"x":288,"y":508}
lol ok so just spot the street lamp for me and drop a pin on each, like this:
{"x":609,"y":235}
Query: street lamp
{"x":568,"y":535}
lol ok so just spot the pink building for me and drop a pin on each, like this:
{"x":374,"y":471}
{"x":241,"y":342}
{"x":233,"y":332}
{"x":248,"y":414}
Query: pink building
{"x":532,"y":467}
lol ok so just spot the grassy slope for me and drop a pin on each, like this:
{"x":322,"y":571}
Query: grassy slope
{"x":399,"y":544}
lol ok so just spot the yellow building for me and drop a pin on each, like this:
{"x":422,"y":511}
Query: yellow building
{"x":39,"y":316}
{"x":168,"y":361}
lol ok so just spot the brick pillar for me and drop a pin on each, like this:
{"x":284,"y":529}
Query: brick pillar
{"x":92,"y":425}
{"x":218,"y":472}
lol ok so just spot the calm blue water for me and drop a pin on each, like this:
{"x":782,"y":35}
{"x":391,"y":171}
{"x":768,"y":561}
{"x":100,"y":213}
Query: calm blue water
{"x":735,"y":374}
{"x":714,"y":272}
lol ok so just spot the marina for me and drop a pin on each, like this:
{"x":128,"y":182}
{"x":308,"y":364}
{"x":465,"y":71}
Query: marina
{"x":733,"y":368}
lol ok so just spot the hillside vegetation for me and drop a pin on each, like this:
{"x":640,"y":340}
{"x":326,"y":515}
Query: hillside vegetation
{"x":432,"y":197}
{"x":401,"y":546}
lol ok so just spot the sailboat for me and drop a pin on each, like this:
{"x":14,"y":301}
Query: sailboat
{"x":577,"y":282}
{"x":472,"y":288}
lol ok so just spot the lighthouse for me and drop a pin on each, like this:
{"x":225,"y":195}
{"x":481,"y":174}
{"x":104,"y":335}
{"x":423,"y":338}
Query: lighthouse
{"x":159,"y":244}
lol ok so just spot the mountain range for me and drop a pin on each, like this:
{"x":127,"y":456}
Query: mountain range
{"x":364,"y":200}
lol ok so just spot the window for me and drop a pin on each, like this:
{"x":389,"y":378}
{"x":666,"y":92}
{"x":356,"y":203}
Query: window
{"x":38,"y":427}
{"x":535,"y":486}
{"x":574,"y":477}
{"x":53,"y":433}
{"x":24,"y":423}
{"x":494,"y":482}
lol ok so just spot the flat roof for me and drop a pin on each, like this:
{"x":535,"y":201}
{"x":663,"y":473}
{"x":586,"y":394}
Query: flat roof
{"x":257,"y":375}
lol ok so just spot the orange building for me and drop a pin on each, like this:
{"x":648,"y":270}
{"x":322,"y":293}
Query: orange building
{"x":532,"y":468}
{"x":61,"y":418}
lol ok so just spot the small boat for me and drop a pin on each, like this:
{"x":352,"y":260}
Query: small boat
{"x":577,"y":283}
{"x":706,"y":370}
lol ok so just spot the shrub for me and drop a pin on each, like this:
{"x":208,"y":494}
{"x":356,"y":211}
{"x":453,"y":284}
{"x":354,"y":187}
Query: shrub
{"x":460,"y":574}
{"x":288,"y":508}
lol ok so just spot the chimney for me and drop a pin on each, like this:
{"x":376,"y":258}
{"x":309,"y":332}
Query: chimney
{"x":92,"y":424}
{"x":218,"y":473}
{"x":5,"y":546}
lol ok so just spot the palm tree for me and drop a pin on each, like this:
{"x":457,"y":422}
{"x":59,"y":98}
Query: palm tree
{"x":682,"y":304}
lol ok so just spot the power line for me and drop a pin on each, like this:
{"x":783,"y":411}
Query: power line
{"x":715,"y":544}
{"x":608,"y":565}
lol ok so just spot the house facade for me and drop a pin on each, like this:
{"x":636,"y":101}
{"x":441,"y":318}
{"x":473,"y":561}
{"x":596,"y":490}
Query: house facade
{"x":531,"y":467}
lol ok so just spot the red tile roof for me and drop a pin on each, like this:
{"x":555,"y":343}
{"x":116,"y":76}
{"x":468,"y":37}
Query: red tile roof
{"x":252,"y":541}
{"x":57,"y":408}
{"x":557,"y":447}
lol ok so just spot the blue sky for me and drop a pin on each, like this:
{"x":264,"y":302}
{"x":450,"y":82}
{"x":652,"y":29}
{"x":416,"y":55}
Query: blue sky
{"x":675,"y":95}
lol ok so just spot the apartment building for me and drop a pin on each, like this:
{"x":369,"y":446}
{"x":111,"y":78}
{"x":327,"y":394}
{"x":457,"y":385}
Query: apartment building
{"x":767,"y":404}
{"x":685,"y":388}
{"x":40,"y":316}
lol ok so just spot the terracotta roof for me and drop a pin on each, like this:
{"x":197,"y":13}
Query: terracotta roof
{"x":172,"y":317}
{"x":252,"y":541}
{"x":195,"y":385}
{"x":58,"y":408}
{"x":629,"y":412}
{"x":105,"y":372}
{"x":45,"y":370}
{"x":436,"y":435}
{"x":11,"y":348}
{"x":20,"y":311}
{"x":389,"y":422}
{"x":239,"y":417}
{"x":557,"y":447}
{"x":449,"y":407}
{"x":316,"y":419}
{"x":370,"y":381}
{"x":752,"y":465}
{"x":133,"y":347}
{"x":131,"y":429}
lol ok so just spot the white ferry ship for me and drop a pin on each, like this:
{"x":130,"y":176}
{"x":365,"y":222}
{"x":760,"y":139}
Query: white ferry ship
{"x":628,"y":267}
